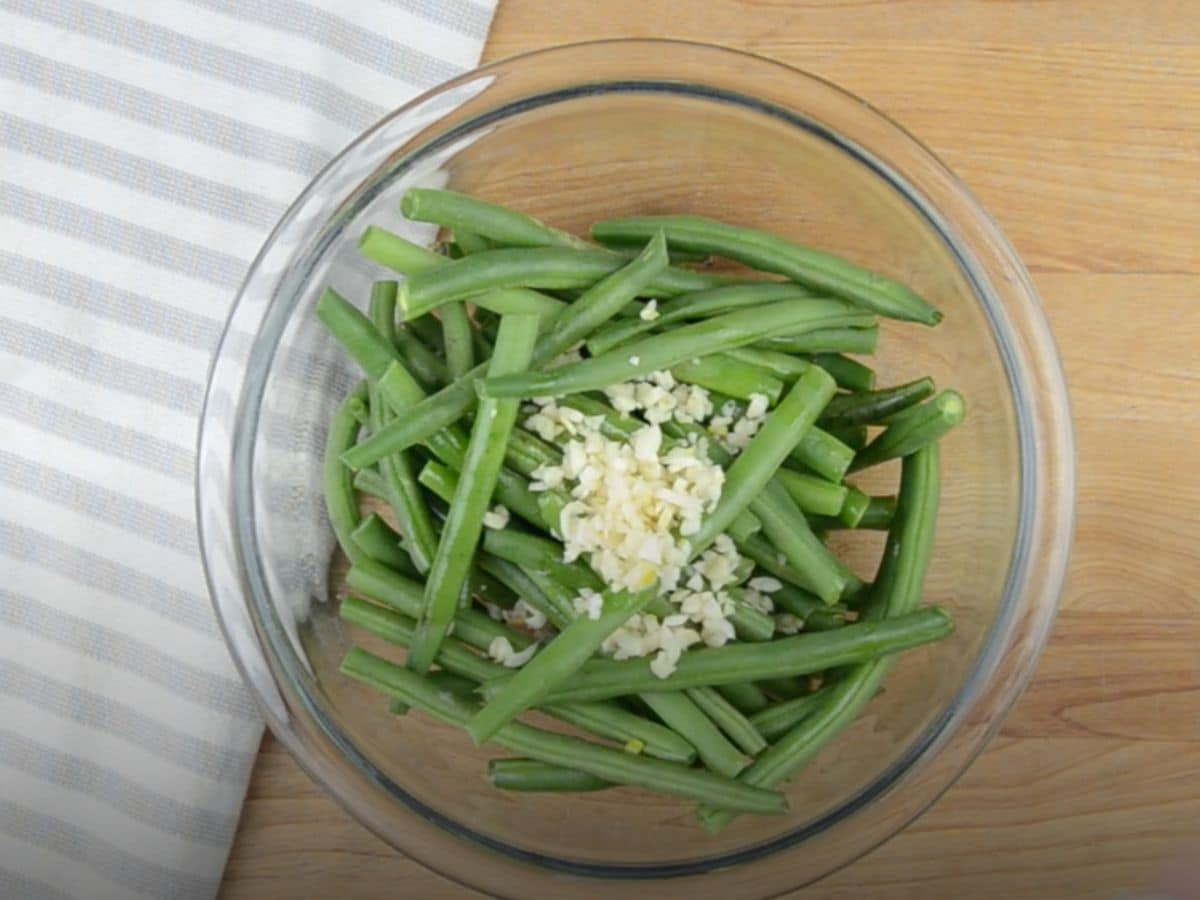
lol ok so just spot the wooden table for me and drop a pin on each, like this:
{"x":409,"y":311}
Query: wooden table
{"x":1077,"y":123}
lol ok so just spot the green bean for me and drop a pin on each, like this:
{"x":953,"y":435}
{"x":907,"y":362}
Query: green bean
{"x":823,"y":454}
{"x":682,"y":715}
{"x":761,"y":457}
{"x":745,"y":697}
{"x":379,"y":583}
{"x":382,"y":309}
{"x":848,"y":373}
{"x":780,"y":718}
{"x":612,"y":765}
{"x":713,"y":335}
{"x":853,"y":339}
{"x":422,"y":361}
{"x":801,"y":654}
{"x":786,"y":528}
{"x":470,"y":242}
{"x":912,"y":429}
{"x":726,"y":716}
{"x":477,"y":481}
{"x":341,"y":506}
{"x":698,"y":305}
{"x":396,"y":253}
{"x":381,"y":544}
{"x":604,"y":299}
{"x":403,"y":494}
{"x":874,"y":407}
{"x":854,"y":508}
{"x":354,"y":331}
{"x":854,"y":436}
{"x":812,"y":494}
{"x":453,"y":656}
{"x":610,"y":721}
{"x":772,"y":253}
{"x":897,"y":591}
{"x":518,"y":301}
{"x":733,"y":377}
{"x":556,"y":661}
{"x":531,"y":776}
{"x":538,"y":267}
{"x":457,"y":340}
{"x":463,"y":213}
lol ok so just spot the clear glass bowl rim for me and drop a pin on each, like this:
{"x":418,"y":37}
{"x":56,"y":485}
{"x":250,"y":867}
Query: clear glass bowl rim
{"x":1035,"y":577}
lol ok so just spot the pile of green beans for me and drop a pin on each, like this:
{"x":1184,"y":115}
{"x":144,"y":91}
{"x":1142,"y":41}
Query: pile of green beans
{"x":427,"y":447}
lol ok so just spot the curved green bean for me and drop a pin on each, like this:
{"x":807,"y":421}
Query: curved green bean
{"x":463,"y":213}
{"x":341,"y":505}
{"x":812,"y":494}
{"x":457,"y":339}
{"x":771,"y":253}
{"x":552,"y":268}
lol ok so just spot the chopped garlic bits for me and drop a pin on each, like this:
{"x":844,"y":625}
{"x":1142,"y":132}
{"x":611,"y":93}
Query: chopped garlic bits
{"x":633,"y":504}
{"x":497,"y":517}
{"x":501,"y":651}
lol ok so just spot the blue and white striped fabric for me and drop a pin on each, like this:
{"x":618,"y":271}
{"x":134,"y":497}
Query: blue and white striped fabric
{"x":146,"y":148}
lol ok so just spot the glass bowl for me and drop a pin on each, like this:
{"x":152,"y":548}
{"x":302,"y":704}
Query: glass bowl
{"x":571,"y":135}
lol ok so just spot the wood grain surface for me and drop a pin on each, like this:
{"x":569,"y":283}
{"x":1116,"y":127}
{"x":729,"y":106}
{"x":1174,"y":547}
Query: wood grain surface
{"x":1077,"y":123}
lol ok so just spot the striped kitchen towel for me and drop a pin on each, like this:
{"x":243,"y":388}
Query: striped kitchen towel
{"x":146,"y":149}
